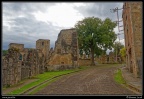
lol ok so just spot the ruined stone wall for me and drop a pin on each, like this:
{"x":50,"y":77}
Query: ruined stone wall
{"x":16,"y":45}
{"x":21,"y":63}
{"x":128,"y":36}
{"x":41,"y":61}
{"x":103,"y":59}
{"x":111,"y":57}
{"x":84,"y":62}
{"x":11,"y":69}
{"x":108,"y":59}
{"x":44,"y":45}
{"x":58,"y":59}
{"x":31,"y":62}
{"x":64,"y":42}
{"x":66,"y":49}
{"x":18,"y":65}
{"x":132,"y":21}
{"x":136,"y":16}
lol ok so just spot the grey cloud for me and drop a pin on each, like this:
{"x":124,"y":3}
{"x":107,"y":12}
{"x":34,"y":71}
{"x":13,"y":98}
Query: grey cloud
{"x":26,"y":6}
{"x":26,"y":29}
{"x":101,"y":10}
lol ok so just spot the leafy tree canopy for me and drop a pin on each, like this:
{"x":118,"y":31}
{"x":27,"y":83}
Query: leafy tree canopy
{"x":95,"y":36}
{"x":117,"y":46}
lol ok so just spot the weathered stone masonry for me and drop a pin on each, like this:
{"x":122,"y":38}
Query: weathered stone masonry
{"x":65,"y":53}
{"x":132,"y":21}
{"x":21,"y":63}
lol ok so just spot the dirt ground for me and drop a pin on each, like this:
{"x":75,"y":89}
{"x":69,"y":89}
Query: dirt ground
{"x":96,"y":80}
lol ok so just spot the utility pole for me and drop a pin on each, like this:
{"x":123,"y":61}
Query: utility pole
{"x":118,"y":21}
{"x":113,"y":11}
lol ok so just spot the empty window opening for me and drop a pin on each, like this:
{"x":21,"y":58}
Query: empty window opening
{"x":42,"y":43}
{"x":20,"y":57}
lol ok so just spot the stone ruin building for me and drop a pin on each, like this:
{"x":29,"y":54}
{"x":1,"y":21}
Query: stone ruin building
{"x":109,"y":59}
{"x":132,"y":21}
{"x":102,"y":59}
{"x":21,"y":63}
{"x":65,"y":54}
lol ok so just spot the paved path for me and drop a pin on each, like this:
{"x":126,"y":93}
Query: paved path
{"x":97,"y":80}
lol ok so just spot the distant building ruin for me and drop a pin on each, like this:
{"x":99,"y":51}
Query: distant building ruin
{"x":21,"y":63}
{"x":65,"y":53}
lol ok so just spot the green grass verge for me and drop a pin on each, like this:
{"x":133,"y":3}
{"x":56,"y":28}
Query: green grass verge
{"x":118,"y":77}
{"x":43,"y":86}
{"x":43,"y":77}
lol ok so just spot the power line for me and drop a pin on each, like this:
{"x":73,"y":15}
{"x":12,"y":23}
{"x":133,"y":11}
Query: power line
{"x":118,"y":21}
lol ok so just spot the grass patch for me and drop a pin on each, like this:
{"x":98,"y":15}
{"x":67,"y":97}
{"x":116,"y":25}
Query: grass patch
{"x":43,"y":77}
{"x":43,"y":86}
{"x":118,"y":77}
{"x":11,"y":86}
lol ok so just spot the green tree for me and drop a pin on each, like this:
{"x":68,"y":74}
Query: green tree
{"x":4,"y":52}
{"x":123,"y":52}
{"x":117,"y":46}
{"x":95,"y":36}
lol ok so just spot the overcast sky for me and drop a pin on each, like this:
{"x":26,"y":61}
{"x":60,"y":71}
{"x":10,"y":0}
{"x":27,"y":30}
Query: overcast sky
{"x":26,"y":22}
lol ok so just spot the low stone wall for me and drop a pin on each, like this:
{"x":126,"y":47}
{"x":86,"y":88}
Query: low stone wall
{"x":59,"y":67}
{"x":84,"y":62}
{"x":60,"y":59}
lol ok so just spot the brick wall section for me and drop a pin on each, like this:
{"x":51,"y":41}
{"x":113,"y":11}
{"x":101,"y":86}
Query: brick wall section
{"x":132,"y":20}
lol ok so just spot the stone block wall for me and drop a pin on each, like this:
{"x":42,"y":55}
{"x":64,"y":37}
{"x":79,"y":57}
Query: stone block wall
{"x":65,"y":52}
{"x":16,"y":45}
{"x":108,"y":59}
{"x":21,"y":63}
{"x":44,"y":45}
{"x":84,"y":62}
{"x":58,"y":59}
{"x":18,"y":65}
{"x":132,"y":20}
{"x":11,"y":69}
{"x":60,"y":67}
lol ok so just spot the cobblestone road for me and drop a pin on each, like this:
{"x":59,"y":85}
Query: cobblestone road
{"x":96,"y":80}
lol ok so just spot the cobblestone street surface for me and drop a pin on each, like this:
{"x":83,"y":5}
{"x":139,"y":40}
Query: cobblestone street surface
{"x":96,"y":80}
